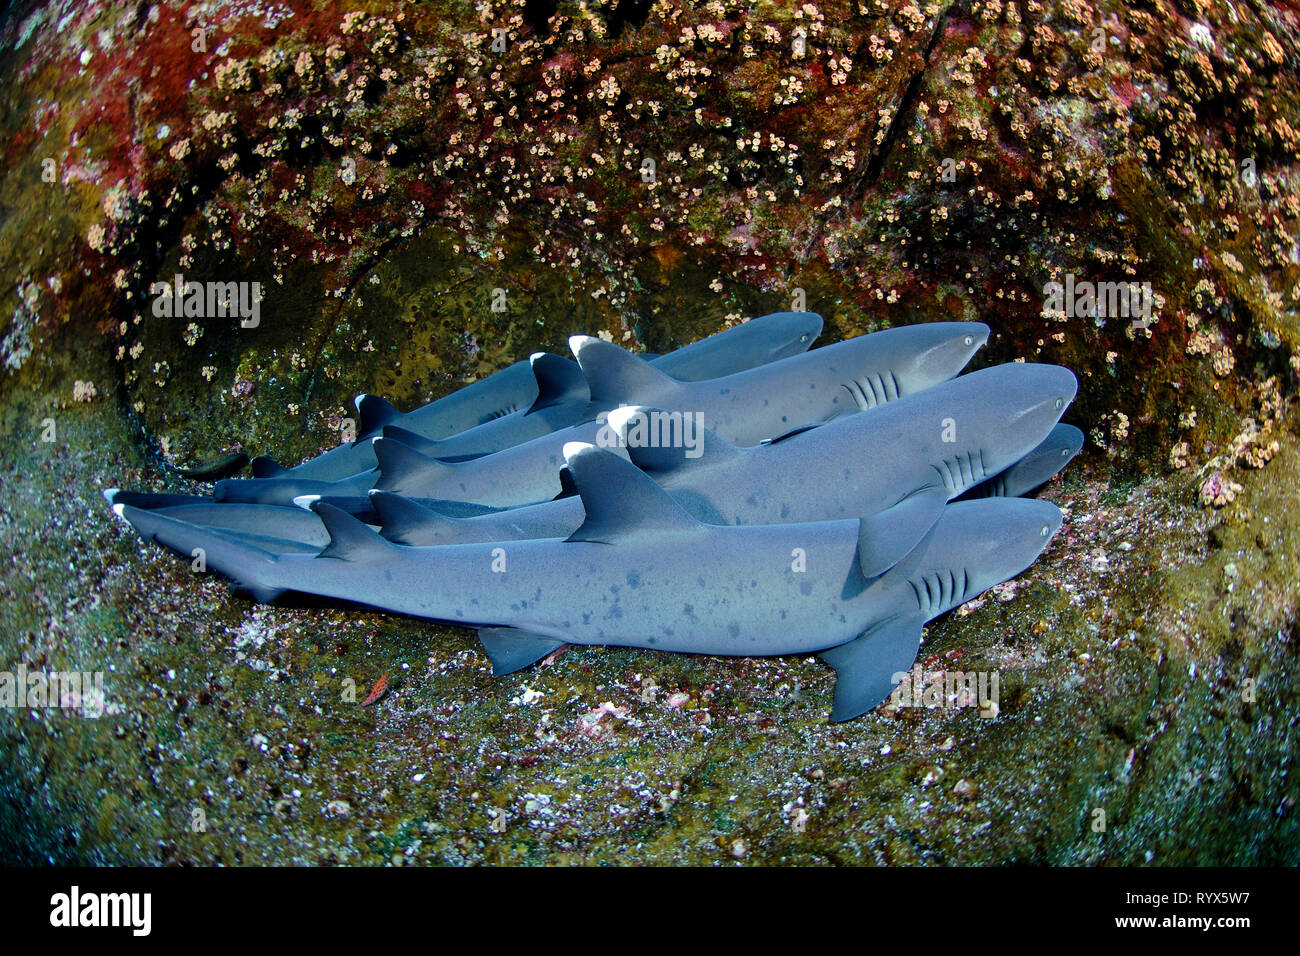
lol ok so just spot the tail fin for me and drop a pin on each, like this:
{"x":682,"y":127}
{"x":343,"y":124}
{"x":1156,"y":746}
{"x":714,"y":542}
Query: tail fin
{"x":375,"y":413}
{"x":250,"y":567}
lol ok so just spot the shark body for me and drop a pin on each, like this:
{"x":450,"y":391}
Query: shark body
{"x":532,"y":398}
{"x":745,"y":408}
{"x":641,"y":572}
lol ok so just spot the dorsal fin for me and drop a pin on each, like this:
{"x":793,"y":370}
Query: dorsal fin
{"x":615,"y":375}
{"x":264,"y":467}
{"x":403,"y":521}
{"x":619,"y":498}
{"x":640,"y":430}
{"x":350,"y":539}
{"x":375,"y":413}
{"x":567,"y":488}
{"x":425,"y":446}
{"x":400,"y":464}
{"x":887,"y":537}
{"x":559,"y":381}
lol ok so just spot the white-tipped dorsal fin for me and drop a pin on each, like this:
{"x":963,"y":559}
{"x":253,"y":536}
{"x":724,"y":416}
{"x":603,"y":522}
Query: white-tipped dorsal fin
{"x":615,"y":375}
{"x":374,"y":413}
{"x":306,"y":502}
{"x":619,"y":498}
{"x":662,"y":442}
{"x":350,"y":538}
{"x":559,"y":381}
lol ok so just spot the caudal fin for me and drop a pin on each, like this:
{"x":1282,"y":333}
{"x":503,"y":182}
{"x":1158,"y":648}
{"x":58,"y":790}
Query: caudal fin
{"x":251,"y":568}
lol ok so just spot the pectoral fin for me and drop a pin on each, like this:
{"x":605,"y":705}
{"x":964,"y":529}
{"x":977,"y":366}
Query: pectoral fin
{"x":868,"y":667}
{"x":889,"y":536}
{"x":511,"y":649}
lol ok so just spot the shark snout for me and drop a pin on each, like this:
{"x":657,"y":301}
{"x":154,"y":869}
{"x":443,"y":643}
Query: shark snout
{"x":794,"y":332}
{"x":950,"y":347}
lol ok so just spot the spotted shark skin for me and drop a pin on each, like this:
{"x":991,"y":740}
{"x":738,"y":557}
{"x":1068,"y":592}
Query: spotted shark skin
{"x":641,"y":572}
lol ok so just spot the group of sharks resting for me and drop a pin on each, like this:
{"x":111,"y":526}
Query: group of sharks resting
{"x":834,"y":501}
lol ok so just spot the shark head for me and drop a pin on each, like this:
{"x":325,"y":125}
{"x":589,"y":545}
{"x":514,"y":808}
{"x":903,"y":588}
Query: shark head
{"x":1046,"y":460}
{"x":792,"y":333}
{"x":940,"y":349}
{"x":993,"y":418}
{"x":972,"y":547}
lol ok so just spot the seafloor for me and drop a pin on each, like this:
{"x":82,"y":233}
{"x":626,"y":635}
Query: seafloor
{"x":381,"y":169}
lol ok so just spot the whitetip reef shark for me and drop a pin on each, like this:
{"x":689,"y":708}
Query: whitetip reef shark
{"x":995,"y":418}
{"x":641,"y":572}
{"x":745,"y":408}
{"x":546,"y":392}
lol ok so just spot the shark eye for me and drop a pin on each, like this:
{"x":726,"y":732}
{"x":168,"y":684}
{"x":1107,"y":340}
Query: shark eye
{"x":969,"y":340}
{"x":1060,"y":403}
{"x":804,"y":337}
{"x":1046,"y":531}
{"x":1065,"y":453}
